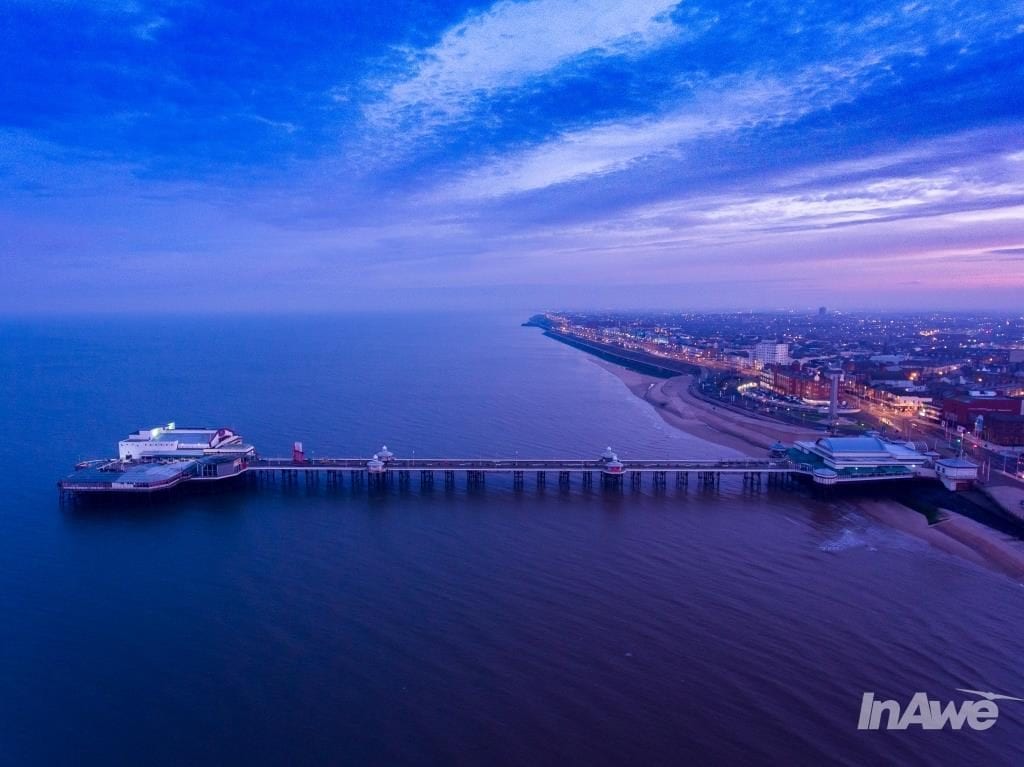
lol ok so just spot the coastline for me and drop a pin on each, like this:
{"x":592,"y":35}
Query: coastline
{"x":671,"y":398}
{"x":955,"y":534}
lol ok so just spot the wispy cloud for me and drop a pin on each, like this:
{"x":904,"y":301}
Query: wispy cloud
{"x":926,"y":180}
{"x":284,"y":125}
{"x":911,"y":197}
{"x":141,"y":19}
{"x":148,"y":29}
{"x":722,"y":106}
{"x":511,"y":43}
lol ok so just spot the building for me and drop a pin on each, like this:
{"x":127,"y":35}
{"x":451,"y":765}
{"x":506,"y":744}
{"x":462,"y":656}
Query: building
{"x":770,"y":353}
{"x":903,"y":397}
{"x":1003,"y":429}
{"x":794,"y":383}
{"x":160,"y":459}
{"x":964,"y":411}
{"x":171,"y":442}
{"x":956,"y":473}
{"x":859,"y":458}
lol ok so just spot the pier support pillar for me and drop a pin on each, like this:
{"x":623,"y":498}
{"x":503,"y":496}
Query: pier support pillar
{"x":613,"y":481}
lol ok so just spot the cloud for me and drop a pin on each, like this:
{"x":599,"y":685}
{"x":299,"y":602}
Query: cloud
{"x":863,"y":203}
{"x":139,"y":19}
{"x":725,"y":105}
{"x":838,"y":63}
{"x":148,"y":29}
{"x":511,"y":43}
{"x":542,"y":142}
{"x":284,"y":125}
{"x":953,"y":191}
{"x":914,"y":216}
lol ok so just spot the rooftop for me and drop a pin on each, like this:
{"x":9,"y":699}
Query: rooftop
{"x":853,"y":444}
{"x":957,"y":463}
{"x":136,"y":473}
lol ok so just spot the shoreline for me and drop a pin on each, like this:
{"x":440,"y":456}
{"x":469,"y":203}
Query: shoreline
{"x":671,"y":399}
{"x":955,"y":534}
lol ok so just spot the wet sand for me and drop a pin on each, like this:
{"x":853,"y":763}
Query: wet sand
{"x":955,"y":534}
{"x":678,"y":407}
{"x":1009,"y":496}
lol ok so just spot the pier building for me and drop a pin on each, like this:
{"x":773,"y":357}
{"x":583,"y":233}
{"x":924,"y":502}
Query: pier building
{"x":861,"y":458}
{"x":172,"y":442}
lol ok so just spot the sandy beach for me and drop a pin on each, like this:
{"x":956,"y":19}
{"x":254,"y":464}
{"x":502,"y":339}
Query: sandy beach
{"x":955,"y":534}
{"x":678,"y":407}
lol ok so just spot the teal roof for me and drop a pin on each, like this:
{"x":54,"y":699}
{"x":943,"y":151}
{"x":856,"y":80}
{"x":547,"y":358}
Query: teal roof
{"x":852,"y":444}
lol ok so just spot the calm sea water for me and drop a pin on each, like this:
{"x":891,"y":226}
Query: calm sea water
{"x":482,"y":627}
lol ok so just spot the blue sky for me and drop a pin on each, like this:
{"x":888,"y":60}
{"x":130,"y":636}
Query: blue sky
{"x":536,"y":154}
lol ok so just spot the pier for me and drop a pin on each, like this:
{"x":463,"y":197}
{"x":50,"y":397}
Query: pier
{"x":473,"y":472}
{"x":156,"y":460}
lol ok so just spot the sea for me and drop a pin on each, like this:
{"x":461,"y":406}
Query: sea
{"x":470,"y":626}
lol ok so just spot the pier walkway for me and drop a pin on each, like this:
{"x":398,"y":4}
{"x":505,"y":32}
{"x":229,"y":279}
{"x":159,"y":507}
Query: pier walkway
{"x":383,"y":467}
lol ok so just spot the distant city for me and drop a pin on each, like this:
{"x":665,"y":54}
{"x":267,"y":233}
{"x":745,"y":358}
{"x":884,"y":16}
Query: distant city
{"x":935,"y":377}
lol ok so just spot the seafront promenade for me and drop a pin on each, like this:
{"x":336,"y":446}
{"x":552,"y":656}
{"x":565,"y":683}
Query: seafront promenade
{"x":638,"y":360}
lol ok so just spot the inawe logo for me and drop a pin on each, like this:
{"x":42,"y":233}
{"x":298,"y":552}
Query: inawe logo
{"x":931,"y":714}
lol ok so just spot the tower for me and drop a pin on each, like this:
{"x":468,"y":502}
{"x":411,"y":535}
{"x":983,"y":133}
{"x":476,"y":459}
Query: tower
{"x":833,"y":401}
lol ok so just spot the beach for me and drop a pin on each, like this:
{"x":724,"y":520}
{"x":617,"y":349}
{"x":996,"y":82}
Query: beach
{"x":672,"y":399}
{"x":955,"y":534}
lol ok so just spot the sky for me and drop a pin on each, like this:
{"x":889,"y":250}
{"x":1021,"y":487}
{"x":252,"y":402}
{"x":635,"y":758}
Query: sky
{"x":196,"y":156}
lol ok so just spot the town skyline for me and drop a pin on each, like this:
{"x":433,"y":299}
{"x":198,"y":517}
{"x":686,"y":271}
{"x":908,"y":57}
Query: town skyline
{"x":514,"y":155}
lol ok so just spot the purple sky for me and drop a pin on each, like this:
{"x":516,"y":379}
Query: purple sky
{"x":519,"y":155}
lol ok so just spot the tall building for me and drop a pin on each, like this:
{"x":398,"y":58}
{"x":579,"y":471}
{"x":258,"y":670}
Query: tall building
{"x":770,"y":353}
{"x":822,"y":311}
